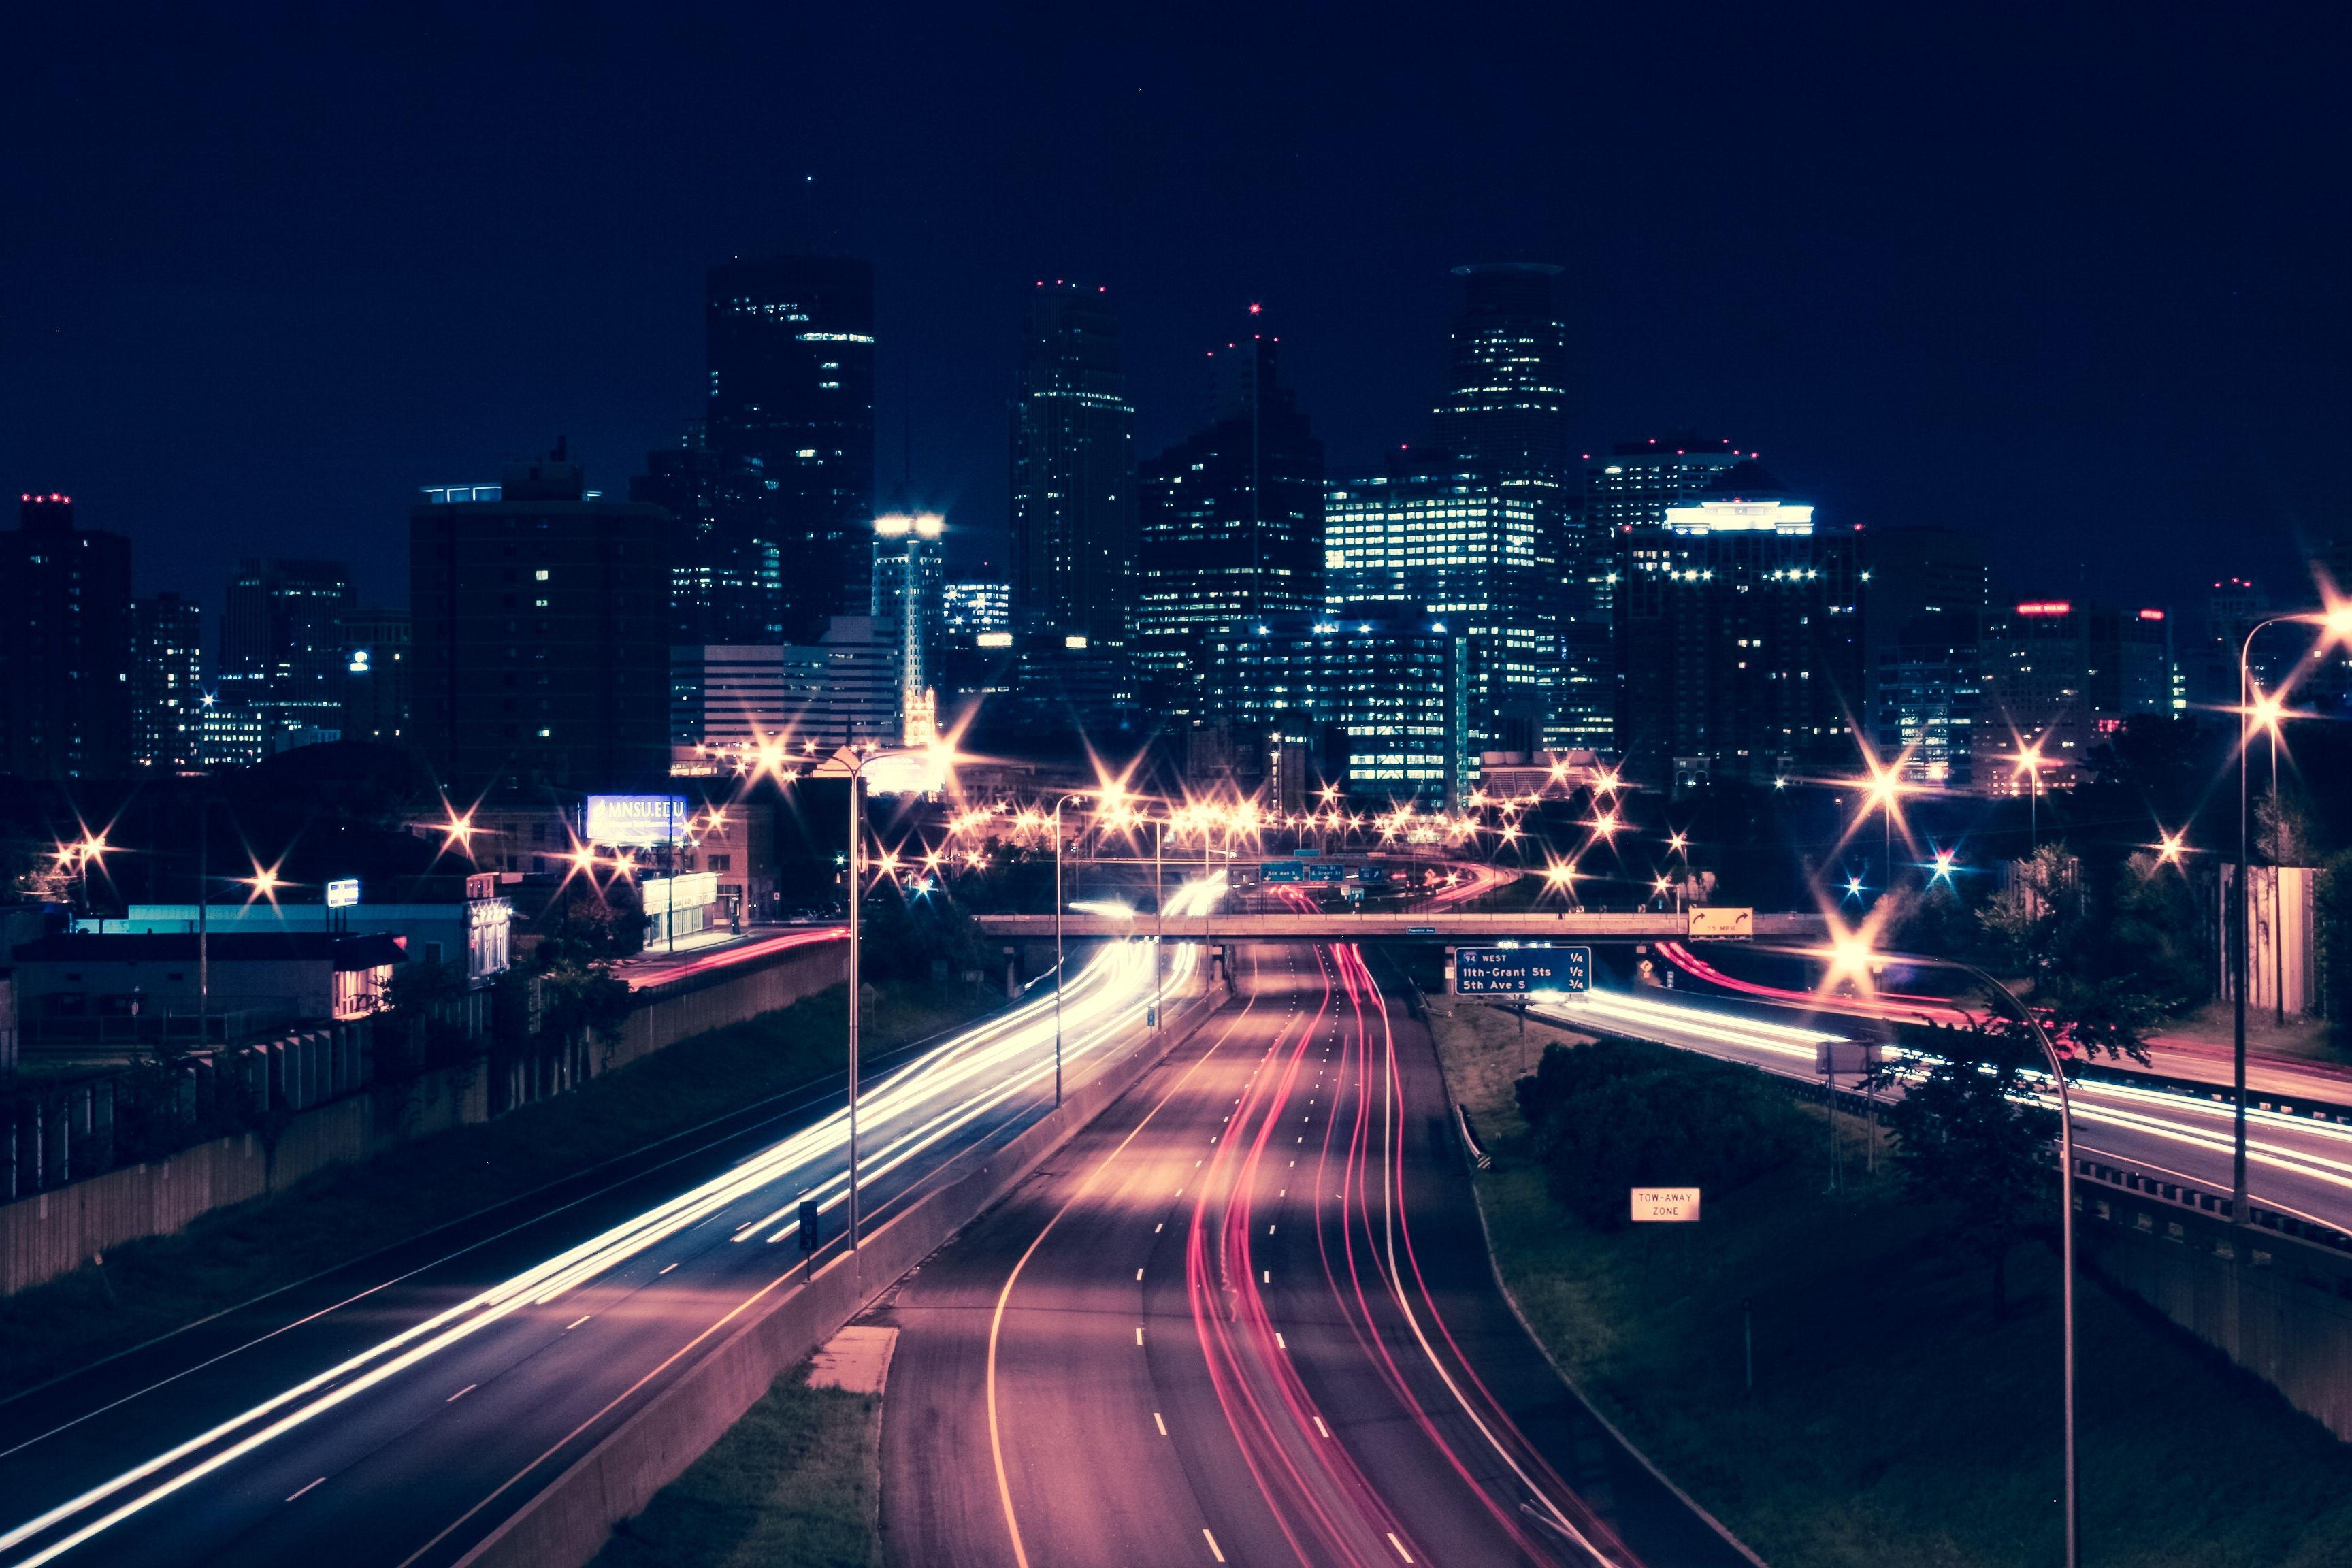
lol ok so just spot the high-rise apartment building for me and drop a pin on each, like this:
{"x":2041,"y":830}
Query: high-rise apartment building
{"x":378,"y":675}
{"x":281,"y":641}
{"x":791,"y":347}
{"x":1232,"y":518}
{"x":65,"y":646}
{"x":1469,"y":552}
{"x":909,"y":575}
{"x":541,"y":630}
{"x":1073,"y":502}
{"x":1740,"y":639}
{"x":1504,"y":415}
{"x":167,"y":681}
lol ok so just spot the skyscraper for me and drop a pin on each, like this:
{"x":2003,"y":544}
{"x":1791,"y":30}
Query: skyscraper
{"x":1923,"y":623}
{"x":281,"y":650}
{"x":1430,"y":537}
{"x":1740,"y":639}
{"x":2062,"y":678}
{"x":726,"y":566}
{"x":1504,"y":415}
{"x":65,"y":646}
{"x":791,"y":347}
{"x":541,"y":633}
{"x":1232,"y":518}
{"x":1073,"y":505}
{"x":909,"y":573}
{"x":167,"y":681}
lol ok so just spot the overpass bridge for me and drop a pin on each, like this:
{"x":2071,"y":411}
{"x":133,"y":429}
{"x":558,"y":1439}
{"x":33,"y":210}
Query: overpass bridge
{"x":1432,"y":925}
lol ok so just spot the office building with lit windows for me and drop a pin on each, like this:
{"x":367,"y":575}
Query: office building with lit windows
{"x":1469,"y":553}
{"x":377,"y":695}
{"x":1231,"y":518}
{"x":1741,"y":641}
{"x":789,"y":342}
{"x":1073,"y":502}
{"x":1368,"y":697}
{"x":167,"y":681}
{"x":971,"y":605}
{"x":2061,"y":678}
{"x":281,"y":640}
{"x":540,"y":626}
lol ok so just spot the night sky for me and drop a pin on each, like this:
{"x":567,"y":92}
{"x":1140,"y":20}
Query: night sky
{"x":2072,"y":277}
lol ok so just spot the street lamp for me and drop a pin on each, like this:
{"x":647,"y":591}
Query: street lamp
{"x":1057,"y":943}
{"x":847,"y":763}
{"x":2336,"y":626}
{"x":1850,"y":952}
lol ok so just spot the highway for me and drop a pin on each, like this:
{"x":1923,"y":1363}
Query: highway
{"x":392,"y":1414}
{"x":1248,"y":1317}
{"x":2297,"y":1166}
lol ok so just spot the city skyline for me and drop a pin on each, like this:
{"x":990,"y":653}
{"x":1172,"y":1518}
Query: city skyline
{"x":1987,"y":389}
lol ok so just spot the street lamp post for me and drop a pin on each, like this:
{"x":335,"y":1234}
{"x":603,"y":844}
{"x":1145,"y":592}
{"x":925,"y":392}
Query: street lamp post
{"x":2066,"y":1218}
{"x":1057,"y":943}
{"x":1159,"y":920}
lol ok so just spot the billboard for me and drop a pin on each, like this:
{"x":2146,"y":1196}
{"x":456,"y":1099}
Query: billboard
{"x":1521,"y":971}
{"x":343,"y":894}
{"x":629,"y":819}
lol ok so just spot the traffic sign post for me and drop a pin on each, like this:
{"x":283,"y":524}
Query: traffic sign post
{"x":1519,"y":972}
{"x":1665,"y":1206}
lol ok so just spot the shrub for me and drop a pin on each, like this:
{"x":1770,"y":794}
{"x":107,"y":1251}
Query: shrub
{"x":1617,"y":1115}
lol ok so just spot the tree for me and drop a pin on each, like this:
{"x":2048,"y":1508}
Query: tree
{"x":1969,"y":1129}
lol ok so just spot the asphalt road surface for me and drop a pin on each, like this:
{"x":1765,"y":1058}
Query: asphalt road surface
{"x":393,"y":1413}
{"x":1248,"y":1317}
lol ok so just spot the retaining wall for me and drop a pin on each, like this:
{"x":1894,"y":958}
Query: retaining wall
{"x":568,"y":1521}
{"x":2283,"y":1311}
{"x":54,"y":1232}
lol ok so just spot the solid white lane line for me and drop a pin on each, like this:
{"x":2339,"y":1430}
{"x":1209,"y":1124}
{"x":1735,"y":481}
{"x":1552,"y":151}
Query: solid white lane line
{"x":461,"y":1393}
{"x":1156,"y":1421}
{"x":305,"y":1488}
{"x":1212,"y":1544}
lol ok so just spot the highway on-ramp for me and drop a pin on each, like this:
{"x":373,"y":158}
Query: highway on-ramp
{"x":1248,"y":1316}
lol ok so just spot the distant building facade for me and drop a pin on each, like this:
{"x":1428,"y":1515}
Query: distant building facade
{"x":1929,"y":592}
{"x":1231,"y":518}
{"x":167,"y":682}
{"x":281,"y":641}
{"x":65,"y":646}
{"x":1741,"y":641}
{"x":971,"y":605}
{"x":539,"y":627}
{"x":2061,"y":677}
{"x":378,"y":690}
{"x":909,"y":613}
{"x":1074,"y":502}
{"x":791,"y":349}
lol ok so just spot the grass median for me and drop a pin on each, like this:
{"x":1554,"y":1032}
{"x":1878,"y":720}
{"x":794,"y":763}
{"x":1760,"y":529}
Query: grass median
{"x":231,"y":1256}
{"x":1896,"y":1419}
{"x":797,"y":1481}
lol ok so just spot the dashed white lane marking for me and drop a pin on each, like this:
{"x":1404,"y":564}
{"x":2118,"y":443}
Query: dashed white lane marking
{"x":664,"y":1271}
{"x":1139,"y":1274}
{"x":1156,"y":1421}
{"x":323,"y":1478}
{"x":1157,"y":1228}
{"x":1212,"y":1544}
{"x":577,"y":1322}
{"x":1277,"y":1340}
{"x":1269,"y":1276}
{"x":1139,"y":1333}
{"x":1269,"y":1231}
{"x":461,"y":1393}
{"x":1320,"y":1427}
{"x":1400,"y":1546}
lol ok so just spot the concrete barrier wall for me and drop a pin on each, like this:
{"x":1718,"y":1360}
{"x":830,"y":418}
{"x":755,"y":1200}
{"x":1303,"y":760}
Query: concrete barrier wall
{"x":568,"y":1521}
{"x":2283,"y":1311}
{"x":56,"y":1231}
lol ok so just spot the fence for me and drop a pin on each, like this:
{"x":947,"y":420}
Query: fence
{"x":303,"y":1103}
